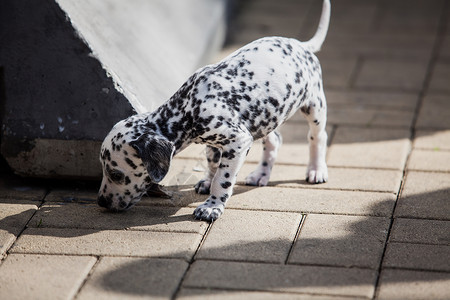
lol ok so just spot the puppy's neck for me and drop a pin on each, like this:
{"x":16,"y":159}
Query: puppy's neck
{"x":174,"y":120}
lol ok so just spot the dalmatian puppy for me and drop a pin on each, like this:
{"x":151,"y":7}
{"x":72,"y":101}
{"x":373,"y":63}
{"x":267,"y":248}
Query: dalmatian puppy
{"x":226,"y":106}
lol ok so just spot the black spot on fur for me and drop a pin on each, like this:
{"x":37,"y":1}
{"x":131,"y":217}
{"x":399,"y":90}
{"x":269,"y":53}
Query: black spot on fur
{"x":130,"y":163}
{"x":226,"y":184}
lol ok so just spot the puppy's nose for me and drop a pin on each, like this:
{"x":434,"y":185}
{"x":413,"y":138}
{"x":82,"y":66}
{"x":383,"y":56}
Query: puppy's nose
{"x":103,"y":202}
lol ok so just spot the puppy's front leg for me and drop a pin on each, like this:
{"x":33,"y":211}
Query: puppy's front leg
{"x":213,"y":158}
{"x":222,"y":185}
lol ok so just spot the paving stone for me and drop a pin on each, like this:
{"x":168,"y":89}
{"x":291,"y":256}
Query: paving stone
{"x":445,"y":47}
{"x":292,"y":154}
{"x":205,"y":294}
{"x":433,"y":140}
{"x":134,"y":278}
{"x":380,"y":100}
{"x":369,"y":117}
{"x":421,"y":17}
{"x":429,"y":160}
{"x":334,"y":240}
{"x":338,"y":73}
{"x":13,"y":219}
{"x":284,"y":278}
{"x":434,"y":112}
{"x":417,"y":256}
{"x":421,"y":231}
{"x":181,"y":196}
{"x":6,"y":240}
{"x":439,"y":77}
{"x":425,"y":195}
{"x":351,"y":17}
{"x":16,"y":215}
{"x":25,"y":276}
{"x":408,"y":285}
{"x":394,"y":74}
{"x":339,"y":178}
{"x":392,"y":46}
{"x":312,"y":201}
{"x":369,"y":148}
{"x":257,"y":236}
{"x":294,"y":150}
{"x":138,"y":218}
{"x":107,"y":242}
{"x":184,"y":173}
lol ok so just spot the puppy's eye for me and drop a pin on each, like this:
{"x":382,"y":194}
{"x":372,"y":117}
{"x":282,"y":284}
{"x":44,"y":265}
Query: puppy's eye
{"x":116,"y":176}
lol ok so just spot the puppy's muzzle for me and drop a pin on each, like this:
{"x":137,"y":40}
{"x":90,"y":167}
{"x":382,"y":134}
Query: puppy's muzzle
{"x":104,"y":202}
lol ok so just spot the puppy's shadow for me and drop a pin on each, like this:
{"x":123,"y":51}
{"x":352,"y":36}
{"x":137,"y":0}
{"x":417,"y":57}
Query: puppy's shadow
{"x":185,"y":195}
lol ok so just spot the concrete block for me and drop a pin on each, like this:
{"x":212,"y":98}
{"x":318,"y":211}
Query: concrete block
{"x":60,"y":92}
{"x":369,"y":148}
{"x":434,"y":112}
{"x":136,"y":278}
{"x":54,"y":158}
{"x":420,"y":231}
{"x":429,"y":160}
{"x":417,"y":256}
{"x":312,"y":201}
{"x":251,"y":236}
{"x":283,"y":278}
{"x":144,"y":218}
{"x":87,"y":64}
{"x":408,"y":285}
{"x":25,"y":276}
{"x":348,"y":241}
{"x":432,"y":139}
{"x":395,"y":74}
{"x":107,"y":242}
{"x":425,"y":195}
{"x":142,"y":45}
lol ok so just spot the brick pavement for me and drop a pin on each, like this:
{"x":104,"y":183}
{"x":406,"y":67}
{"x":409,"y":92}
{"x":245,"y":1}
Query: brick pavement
{"x":379,"y":229}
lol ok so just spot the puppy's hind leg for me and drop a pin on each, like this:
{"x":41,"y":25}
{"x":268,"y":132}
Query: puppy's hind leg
{"x":316,"y":114}
{"x":261,"y":176}
{"x":213,"y":158}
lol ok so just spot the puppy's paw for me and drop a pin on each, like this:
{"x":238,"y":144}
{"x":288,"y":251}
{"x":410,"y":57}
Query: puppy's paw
{"x":202,"y":187}
{"x":257,"y":178}
{"x":317,"y":174}
{"x":208,"y":211}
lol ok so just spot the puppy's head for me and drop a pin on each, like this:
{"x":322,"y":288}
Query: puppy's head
{"x":133,"y":159}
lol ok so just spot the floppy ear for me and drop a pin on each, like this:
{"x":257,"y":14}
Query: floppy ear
{"x":156,"y":154}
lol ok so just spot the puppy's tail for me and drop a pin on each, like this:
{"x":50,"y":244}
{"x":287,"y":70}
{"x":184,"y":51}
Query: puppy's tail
{"x":317,"y":40}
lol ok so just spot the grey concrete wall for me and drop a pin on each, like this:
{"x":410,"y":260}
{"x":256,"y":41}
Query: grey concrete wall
{"x":69,"y":70}
{"x":149,"y":47}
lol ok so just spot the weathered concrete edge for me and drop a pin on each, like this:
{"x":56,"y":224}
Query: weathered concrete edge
{"x":61,"y":158}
